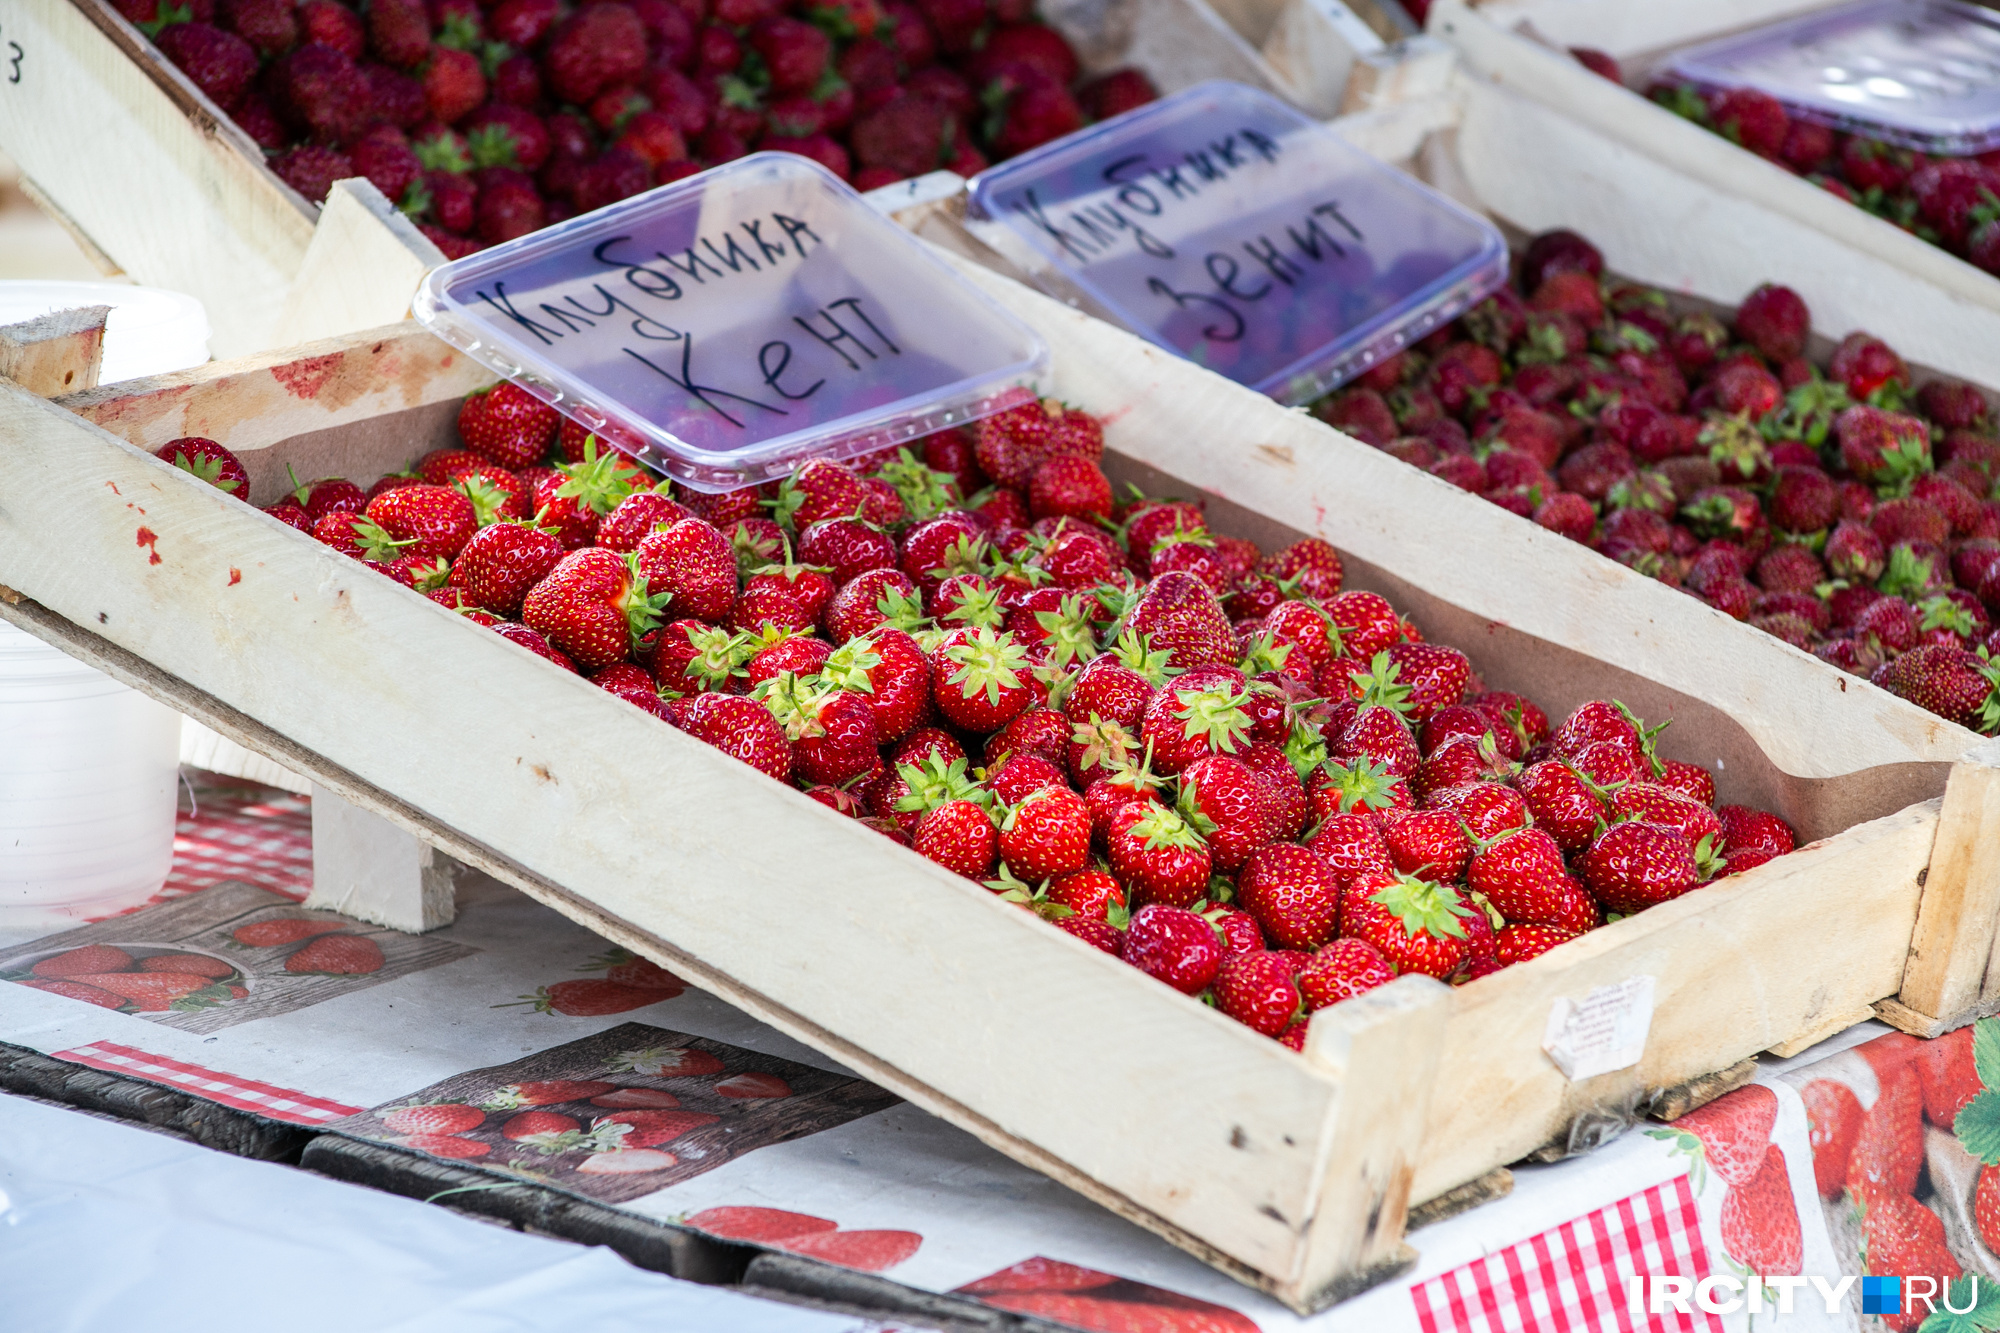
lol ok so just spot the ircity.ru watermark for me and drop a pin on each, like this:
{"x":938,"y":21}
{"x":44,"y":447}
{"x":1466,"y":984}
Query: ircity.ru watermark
{"x":1723,"y":1294}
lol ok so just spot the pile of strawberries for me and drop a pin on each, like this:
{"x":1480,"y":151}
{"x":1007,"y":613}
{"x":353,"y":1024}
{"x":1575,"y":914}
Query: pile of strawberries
{"x":1843,"y":508}
{"x":488,"y":119}
{"x":1953,"y":202}
{"x":1214,"y":762}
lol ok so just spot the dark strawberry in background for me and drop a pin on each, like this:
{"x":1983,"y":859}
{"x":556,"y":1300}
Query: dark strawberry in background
{"x":487,"y":121}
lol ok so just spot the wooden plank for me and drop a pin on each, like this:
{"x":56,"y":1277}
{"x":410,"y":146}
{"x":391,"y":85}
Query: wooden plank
{"x":1738,"y":967}
{"x":1951,"y":953}
{"x":163,"y":184}
{"x":360,"y":271}
{"x":367,"y":868}
{"x":56,"y":353}
{"x":1178,"y":43}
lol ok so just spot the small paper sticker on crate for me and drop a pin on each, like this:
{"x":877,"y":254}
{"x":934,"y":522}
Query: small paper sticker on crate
{"x":1605,"y":1032}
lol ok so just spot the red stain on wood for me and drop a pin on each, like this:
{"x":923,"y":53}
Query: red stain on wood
{"x":235,"y":577}
{"x":114,"y":487}
{"x":150,"y":540}
{"x":304,"y":379}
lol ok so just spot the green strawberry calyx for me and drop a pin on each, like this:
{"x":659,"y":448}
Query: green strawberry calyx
{"x":208,"y":469}
{"x":925,"y":491}
{"x":718,"y":656}
{"x":643,"y":608}
{"x":986,"y":663}
{"x":1071,"y":635}
{"x":849,"y":665}
{"x":1361,"y":784}
{"x":375,"y":542}
{"x":1134,"y":652}
{"x":902,"y":610}
{"x":966,"y":555}
{"x":1215,"y":715}
{"x":1161,"y":828}
{"x":1381,"y":686}
{"x":1105,"y":742}
{"x":1424,"y":907}
{"x":934,"y":782}
{"x":1265,"y":653}
{"x":599,"y":482}
{"x":1305,"y":748}
{"x":487,"y":498}
{"x":977,"y":606}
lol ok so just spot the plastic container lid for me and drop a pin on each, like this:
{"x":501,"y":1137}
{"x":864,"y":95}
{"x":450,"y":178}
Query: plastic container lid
{"x":1228,"y":227}
{"x":1921,"y":73}
{"x":149,"y":331}
{"x":728,"y":327}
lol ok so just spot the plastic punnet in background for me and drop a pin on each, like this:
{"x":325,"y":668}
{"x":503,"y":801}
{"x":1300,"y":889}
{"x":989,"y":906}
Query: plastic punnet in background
{"x":1921,"y":73}
{"x":1231,"y":229}
{"x":728,"y":327}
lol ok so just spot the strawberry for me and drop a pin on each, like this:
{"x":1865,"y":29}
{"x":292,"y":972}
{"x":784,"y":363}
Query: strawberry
{"x":191,"y":964}
{"x":1486,"y":809}
{"x":437,"y":521}
{"x":528,"y":1123}
{"x":636,"y":516}
{"x":1946,"y":1076}
{"x":979,"y":679}
{"x":741,"y":728}
{"x":1157,"y":855}
{"x":1097,"y":933}
{"x":864,"y":1251}
{"x":1889,"y":1145}
{"x":1293,"y":893}
{"x":444,"y":1145}
{"x":1523,"y":876}
{"x":573,"y":499}
{"x":1760,"y":1223}
{"x":1090,"y":893}
{"x":151,"y":992}
{"x":1040,"y":732}
{"x":766,"y":606}
{"x":643,"y":1099}
{"x":832,"y":731}
{"x":649,"y":1128}
{"x":433,"y":1118}
{"x":1435,"y":676}
{"x":818,"y":492}
{"x":1635,"y":865}
{"x":1226,"y":803}
{"x":1418,"y":925}
{"x":1314,"y":563}
{"x":1116,"y":686}
{"x":694,"y":565}
{"x":891,"y":671}
{"x":1833,"y":1116}
{"x":1238,"y":931}
{"x":1595,"y":722}
{"x":869,"y":600}
{"x":1012,"y":444}
{"x":1200,"y":714}
{"x":1342,"y":969}
{"x":544,"y":1092}
{"x":1256,"y":990}
{"x":1775,"y":321}
{"x":500,"y":563}
{"x":1561,"y":803}
{"x":89,"y":958}
{"x":692,"y":656}
{"x":1693,"y":781}
{"x":757,"y":1224}
{"x":341,"y":954}
{"x":1175,"y":946}
{"x":209,"y":461}
{"x":797,"y":654}
{"x":1068,"y":486}
{"x":959,"y":835}
{"x":1367,"y":624}
{"x":753,"y":1085}
{"x":845,"y":547}
{"x":1178,"y":615}
{"x":1650,"y":801}
{"x":1426,"y":843}
{"x":1379,"y":734}
{"x":75,"y":990}
{"x":1517,"y":944}
{"x":1729,"y":1134}
{"x":275,"y":930}
{"x":594,"y":605}
{"x":358,"y":536}
{"x":1986,"y":1208}
{"x":534,"y":643}
{"x":1047,"y":834}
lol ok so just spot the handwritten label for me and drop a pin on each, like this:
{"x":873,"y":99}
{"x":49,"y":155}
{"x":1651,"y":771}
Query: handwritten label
{"x":1606,"y":1032}
{"x":737,"y":322}
{"x":11,"y":56}
{"x":1230,"y":228}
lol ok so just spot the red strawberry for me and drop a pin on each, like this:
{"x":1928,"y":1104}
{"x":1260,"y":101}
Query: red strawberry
{"x":1069,"y":487}
{"x":1238,"y":931}
{"x":594,"y":605}
{"x":1946,"y":1076}
{"x":1178,"y":615}
{"x":210,"y":462}
{"x":345,"y":955}
{"x":1352,"y":844}
{"x":742,"y":729}
{"x":499,"y":565}
{"x":752,"y":1086}
{"x":1341,"y":970}
{"x":273,"y":931}
{"x":1436,"y":676}
{"x":433,"y":1118}
{"x":1487,"y":809}
{"x":1517,"y":944}
{"x":1656,"y":804}
{"x":1889,"y":1146}
{"x":979,"y":679}
{"x":1227,"y":804}
{"x":436,"y":520}
{"x":507,"y":425}
{"x":534,"y":643}
{"x":1419,"y":926}
{"x":1294,"y":894}
{"x":1901,"y":1236}
{"x":76,"y":990}
{"x":959,"y":835}
{"x":832,"y":732}
{"x":1158,"y":856}
{"x":1256,"y":990}
{"x":1523,"y":876}
{"x":1426,"y":843}
{"x":757,"y":1224}
{"x":694,"y":564}
{"x":1833,"y":1114}
{"x":1097,"y":933}
{"x":1729,"y":1134}
{"x":1760,"y":1223}
{"x":649,"y":1128}
{"x":1046,"y":835}
{"x":1561,"y":803}
{"x":1202,"y":713}
{"x":88,"y":958}
{"x":1636,"y":865}
{"x":635,"y":517}
{"x":573,"y":498}
{"x":865,"y":1251}
{"x":152,"y":992}
{"x":1174,"y":946}
{"x":891,"y":671}
{"x":1089,"y":893}
{"x":538,"y":1122}
{"x":358,"y":536}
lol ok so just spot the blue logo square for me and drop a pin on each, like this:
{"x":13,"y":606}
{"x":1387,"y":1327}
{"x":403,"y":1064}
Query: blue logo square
{"x":1881,"y":1295}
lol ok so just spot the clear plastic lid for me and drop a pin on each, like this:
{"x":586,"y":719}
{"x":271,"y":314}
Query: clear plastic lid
{"x":1921,"y":73}
{"x":1231,"y":229}
{"x":728,"y":327}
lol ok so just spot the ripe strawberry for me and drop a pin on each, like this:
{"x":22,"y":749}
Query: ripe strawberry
{"x":1833,"y":1116}
{"x":1561,"y":803}
{"x":1158,"y":856}
{"x":1378,"y":734}
{"x":1091,"y":893}
{"x":1094,"y":931}
{"x":742,"y":729}
{"x":1418,"y":925}
{"x":198,"y":964}
{"x":646,"y":1128}
{"x":694,"y":565}
{"x":1226,"y":803}
{"x":1293,"y":893}
{"x":499,"y":564}
{"x":1047,"y":834}
{"x":1959,"y":686}
{"x":1200,"y":714}
{"x":635,"y":517}
{"x":356,"y":535}
{"x":1523,"y":876}
{"x":1256,"y":990}
{"x":692,"y":656}
{"x":1425,"y":843}
{"x":979,"y":679}
{"x":1175,"y":946}
{"x":1435,"y":676}
{"x":832,"y":731}
{"x":1517,"y":944}
{"x":1488,"y":810}
{"x":877,"y":597}
{"x":209,"y":461}
{"x":1901,"y":1236}
{"x":891,"y":671}
{"x":1012,"y":444}
{"x":436,"y":520}
{"x":1729,"y":1134}
{"x":594,"y":605}
{"x":1238,"y":931}
{"x":796,"y":654}
{"x":1352,"y":844}
{"x":573,"y":498}
{"x":507,"y":425}
{"x":342,"y":954}
{"x":273,"y":931}
{"x":1745,"y":830}
{"x":529,"y":1123}
{"x":534,"y":643}
{"x":88,"y":958}
{"x":1775,"y":321}
{"x":151,"y":992}
{"x":1693,"y":781}
{"x":1760,"y":1223}
{"x":1178,"y":615}
{"x":433,"y":1118}
{"x":1889,"y":1145}
{"x":1650,"y":801}
{"x":544,"y":1092}
{"x":846,"y":547}
{"x":1344,"y":968}
{"x":1637,"y":864}
{"x":589,"y":997}
{"x":959,"y":835}
{"x":1069,"y":487}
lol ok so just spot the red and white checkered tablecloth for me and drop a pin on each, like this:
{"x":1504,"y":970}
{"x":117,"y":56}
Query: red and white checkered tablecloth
{"x":245,"y":1094}
{"x":1573,"y":1278}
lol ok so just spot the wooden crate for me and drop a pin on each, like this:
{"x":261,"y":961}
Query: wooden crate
{"x":1707,"y":202}
{"x":1292,"y":1173}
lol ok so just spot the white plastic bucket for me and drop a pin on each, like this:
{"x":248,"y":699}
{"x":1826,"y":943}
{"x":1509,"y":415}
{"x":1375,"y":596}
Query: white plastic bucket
{"x":88,"y":768}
